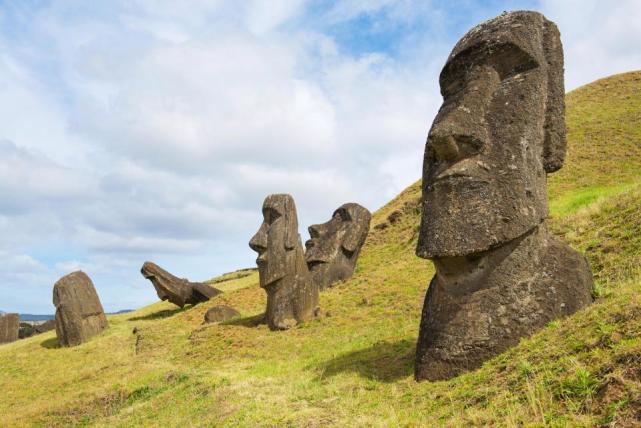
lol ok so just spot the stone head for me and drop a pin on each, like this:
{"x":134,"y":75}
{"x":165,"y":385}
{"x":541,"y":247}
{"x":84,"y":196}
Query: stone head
{"x":498,"y":132}
{"x":167,"y":286}
{"x":339,"y":238}
{"x":276,"y":239}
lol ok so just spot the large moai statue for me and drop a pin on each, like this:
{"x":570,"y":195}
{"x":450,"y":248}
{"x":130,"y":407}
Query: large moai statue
{"x":9,"y":326}
{"x":178,"y":291}
{"x":79,"y":313}
{"x":292,"y":297}
{"x":500,"y":275}
{"x":335,"y":245}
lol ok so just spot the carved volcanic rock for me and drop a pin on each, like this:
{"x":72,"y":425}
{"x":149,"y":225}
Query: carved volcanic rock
{"x":178,"y":291}
{"x":220,"y":313}
{"x":79,"y":313}
{"x":28,"y":329}
{"x":334,"y":246}
{"x":9,"y":325}
{"x":292,"y":297}
{"x":45,"y":326}
{"x":499,"y":274}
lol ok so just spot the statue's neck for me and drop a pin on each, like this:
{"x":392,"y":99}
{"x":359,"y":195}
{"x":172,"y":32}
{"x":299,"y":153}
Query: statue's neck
{"x":509,"y":263}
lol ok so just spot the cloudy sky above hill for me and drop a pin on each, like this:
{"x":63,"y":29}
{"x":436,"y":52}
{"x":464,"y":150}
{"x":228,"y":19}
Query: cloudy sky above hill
{"x":140,"y":130}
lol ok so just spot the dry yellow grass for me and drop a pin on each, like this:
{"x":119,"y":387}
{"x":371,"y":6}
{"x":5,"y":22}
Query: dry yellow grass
{"x":353,"y":366}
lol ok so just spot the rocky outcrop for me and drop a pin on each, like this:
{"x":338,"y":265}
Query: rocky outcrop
{"x":220,"y":313}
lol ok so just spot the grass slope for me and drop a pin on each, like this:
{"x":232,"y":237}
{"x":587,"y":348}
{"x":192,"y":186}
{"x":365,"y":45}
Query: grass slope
{"x":353,"y":366}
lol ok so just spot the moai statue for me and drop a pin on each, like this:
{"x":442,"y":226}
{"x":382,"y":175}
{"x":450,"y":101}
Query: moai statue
{"x":292,"y":297}
{"x":500,"y":275}
{"x":79,"y":313}
{"x":178,"y":291}
{"x":9,"y":327}
{"x":335,"y":245}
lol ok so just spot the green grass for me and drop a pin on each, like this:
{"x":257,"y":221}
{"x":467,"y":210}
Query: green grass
{"x":353,"y":366}
{"x":570,"y":203}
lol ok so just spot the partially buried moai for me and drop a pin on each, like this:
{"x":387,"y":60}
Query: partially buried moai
{"x":334,"y":246}
{"x":179,"y":291}
{"x":500,"y":275}
{"x":79,"y":313}
{"x":292,"y":297}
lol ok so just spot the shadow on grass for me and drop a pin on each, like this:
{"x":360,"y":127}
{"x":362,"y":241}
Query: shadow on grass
{"x":165,"y":313}
{"x":253,"y":321}
{"x":383,"y":361}
{"x":51,"y":343}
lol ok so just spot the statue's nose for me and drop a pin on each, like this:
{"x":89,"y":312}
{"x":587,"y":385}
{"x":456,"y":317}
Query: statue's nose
{"x":459,"y":130}
{"x":314,"y":230}
{"x":445,"y":147}
{"x":258,"y":242}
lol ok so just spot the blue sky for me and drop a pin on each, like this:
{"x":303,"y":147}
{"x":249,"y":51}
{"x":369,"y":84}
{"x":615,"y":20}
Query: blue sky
{"x":139,"y":130}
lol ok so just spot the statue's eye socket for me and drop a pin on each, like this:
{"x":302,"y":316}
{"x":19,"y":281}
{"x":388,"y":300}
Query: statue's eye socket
{"x":342,"y":215}
{"x":271,"y":215}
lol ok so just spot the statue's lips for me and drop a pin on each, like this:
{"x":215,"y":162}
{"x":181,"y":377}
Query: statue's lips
{"x":464,"y":170}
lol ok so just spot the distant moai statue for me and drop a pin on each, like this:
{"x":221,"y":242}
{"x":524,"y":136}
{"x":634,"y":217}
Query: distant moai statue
{"x":500,"y":275}
{"x":79,"y":313}
{"x":9,"y":326}
{"x":178,"y":291}
{"x":292,"y":297}
{"x":335,"y":245}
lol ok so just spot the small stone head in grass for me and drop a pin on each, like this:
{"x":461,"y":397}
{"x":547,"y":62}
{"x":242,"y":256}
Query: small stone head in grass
{"x":499,"y":132}
{"x":291,"y":296}
{"x":335,"y":245}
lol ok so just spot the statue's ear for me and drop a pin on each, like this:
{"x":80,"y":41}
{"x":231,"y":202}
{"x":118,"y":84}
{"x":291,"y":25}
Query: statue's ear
{"x":291,"y":226}
{"x":555,"y":133}
{"x":359,"y":227}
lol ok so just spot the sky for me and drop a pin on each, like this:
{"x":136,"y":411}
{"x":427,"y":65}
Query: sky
{"x":140,"y":130}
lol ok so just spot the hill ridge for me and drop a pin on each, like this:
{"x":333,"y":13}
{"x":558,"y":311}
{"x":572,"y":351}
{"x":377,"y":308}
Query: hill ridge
{"x":353,"y":366}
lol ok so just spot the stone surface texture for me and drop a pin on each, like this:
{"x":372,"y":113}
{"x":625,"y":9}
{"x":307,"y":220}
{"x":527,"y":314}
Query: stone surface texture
{"x":220,"y":313}
{"x":9,"y":325}
{"x":334,"y":246}
{"x":499,"y":274}
{"x":79,"y":313}
{"x":178,"y":291}
{"x":45,"y":326}
{"x":292,"y":297}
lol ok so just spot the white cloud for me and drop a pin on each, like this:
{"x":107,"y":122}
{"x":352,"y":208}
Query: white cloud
{"x":599,"y":39}
{"x":150,"y":130}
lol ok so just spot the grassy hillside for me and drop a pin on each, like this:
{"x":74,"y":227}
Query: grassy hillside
{"x":353,"y":366}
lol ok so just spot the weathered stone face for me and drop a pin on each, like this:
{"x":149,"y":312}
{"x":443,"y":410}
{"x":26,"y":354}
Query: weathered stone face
{"x":500,"y":128}
{"x":178,"y":291}
{"x":499,"y":274}
{"x":291,"y":296}
{"x":9,"y":326}
{"x":79,"y":313}
{"x":276,"y":238}
{"x":334,"y":246}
